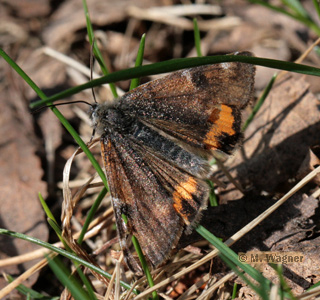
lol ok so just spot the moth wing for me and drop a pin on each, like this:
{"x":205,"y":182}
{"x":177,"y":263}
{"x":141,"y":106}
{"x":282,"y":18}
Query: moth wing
{"x":190,"y":96}
{"x":137,"y":193}
{"x":188,"y":193}
{"x":200,"y":106}
{"x":222,"y":131}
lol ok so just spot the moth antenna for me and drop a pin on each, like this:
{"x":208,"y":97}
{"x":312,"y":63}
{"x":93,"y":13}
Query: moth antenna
{"x":64,"y":103}
{"x":91,"y":68}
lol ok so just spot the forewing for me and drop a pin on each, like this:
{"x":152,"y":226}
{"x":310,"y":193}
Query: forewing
{"x":190,"y":95}
{"x":137,"y":193}
{"x":222,"y":131}
{"x":200,"y":106}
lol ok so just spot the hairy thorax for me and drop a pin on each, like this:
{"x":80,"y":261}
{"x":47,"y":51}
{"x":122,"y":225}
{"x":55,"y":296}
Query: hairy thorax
{"x":106,"y":117}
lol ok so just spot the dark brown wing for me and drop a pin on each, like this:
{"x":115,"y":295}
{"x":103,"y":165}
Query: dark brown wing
{"x":222,"y":130}
{"x":137,"y":193}
{"x":169,"y":150}
{"x":189,"y":96}
{"x":189,"y":194}
{"x":201,"y":104}
{"x":155,"y":196}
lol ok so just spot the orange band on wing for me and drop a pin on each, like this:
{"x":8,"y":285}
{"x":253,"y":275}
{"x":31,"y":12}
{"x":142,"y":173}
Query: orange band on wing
{"x":222,"y":124}
{"x":182,"y":196}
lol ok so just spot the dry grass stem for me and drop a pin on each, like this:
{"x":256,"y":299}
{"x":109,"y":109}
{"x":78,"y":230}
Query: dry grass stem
{"x":225,"y":23}
{"x":194,"y":287}
{"x":24,"y":276}
{"x":215,"y":286}
{"x":312,"y":294}
{"x":68,"y":61}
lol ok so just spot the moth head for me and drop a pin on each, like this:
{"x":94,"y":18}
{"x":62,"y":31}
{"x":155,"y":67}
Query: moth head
{"x":98,"y":114}
{"x":95,"y":117}
{"x":93,"y":113}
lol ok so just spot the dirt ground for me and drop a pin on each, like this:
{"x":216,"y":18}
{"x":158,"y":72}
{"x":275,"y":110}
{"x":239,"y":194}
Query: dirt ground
{"x":48,"y":40}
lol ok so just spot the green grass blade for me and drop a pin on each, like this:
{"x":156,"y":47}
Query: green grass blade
{"x":282,"y":281}
{"x":316,"y":4}
{"x":272,"y":7}
{"x":85,"y":281}
{"x":64,"y":276}
{"x":91,"y":214}
{"x":136,"y":81}
{"x":64,"y":122}
{"x":66,"y":246}
{"x":197,"y":39}
{"x":232,"y":260}
{"x":57,"y":230}
{"x":61,"y":252}
{"x":23,"y":75}
{"x":233,"y":257}
{"x":213,"y":201}
{"x":46,"y":208}
{"x":262,"y":289}
{"x":53,"y":223}
{"x":297,"y":8}
{"x":27,"y":291}
{"x":177,"y":64}
{"x":307,"y":21}
{"x":144,"y":266}
{"x":96,"y":50}
{"x":234,"y":291}
{"x":83,"y":146}
{"x":313,"y":286}
{"x":142,"y":259}
{"x":260,"y":102}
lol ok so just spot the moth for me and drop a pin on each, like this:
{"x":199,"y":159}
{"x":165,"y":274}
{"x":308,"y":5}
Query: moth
{"x":155,"y":144}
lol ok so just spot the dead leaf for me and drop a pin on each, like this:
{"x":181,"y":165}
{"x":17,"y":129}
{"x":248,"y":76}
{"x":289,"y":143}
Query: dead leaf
{"x":37,"y":64}
{"x":296,"y":222}
{"x":311,"y":161}
{"x":21,"y":180}
{"x":277,"y":140}
{"x":29,"y":8}
{"x":69,"y":17}
{"x":289,"y":229}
